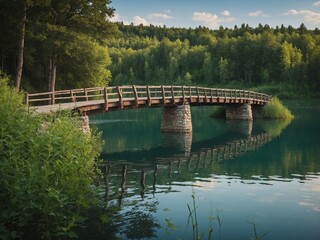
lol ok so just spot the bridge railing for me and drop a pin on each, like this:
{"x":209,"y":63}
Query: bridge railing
{"x":137,"y":93}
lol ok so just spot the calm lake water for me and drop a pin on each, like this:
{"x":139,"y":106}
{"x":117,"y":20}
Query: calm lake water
{"x":266,"y":173}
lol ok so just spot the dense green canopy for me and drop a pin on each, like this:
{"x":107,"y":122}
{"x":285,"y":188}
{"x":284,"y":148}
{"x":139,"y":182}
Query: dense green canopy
{"x":239,"y":57}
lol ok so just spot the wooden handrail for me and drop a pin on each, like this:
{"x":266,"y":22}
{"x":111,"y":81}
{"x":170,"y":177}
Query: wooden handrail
{"x":136,"y":92}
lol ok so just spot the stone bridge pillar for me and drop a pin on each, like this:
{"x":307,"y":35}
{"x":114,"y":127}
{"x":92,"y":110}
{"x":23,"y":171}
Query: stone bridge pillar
{"x":85,"y":124}
{"x":176,"y":119}
{"x":239,"y":112}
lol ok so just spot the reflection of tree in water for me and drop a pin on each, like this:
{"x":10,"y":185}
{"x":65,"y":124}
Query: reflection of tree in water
{"x":139,"y":222}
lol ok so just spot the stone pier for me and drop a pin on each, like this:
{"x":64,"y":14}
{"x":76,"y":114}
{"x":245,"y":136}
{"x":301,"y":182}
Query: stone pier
{"x":85,"y":124}
{"x":239,"y":112}
{"x":176,"y":119}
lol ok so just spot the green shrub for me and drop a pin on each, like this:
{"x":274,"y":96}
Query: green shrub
{"x":47,"y":170}
{"x":274,"y":109}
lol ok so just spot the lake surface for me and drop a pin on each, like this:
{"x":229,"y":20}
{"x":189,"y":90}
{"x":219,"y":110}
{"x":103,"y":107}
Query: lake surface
{"x":232,"y":176}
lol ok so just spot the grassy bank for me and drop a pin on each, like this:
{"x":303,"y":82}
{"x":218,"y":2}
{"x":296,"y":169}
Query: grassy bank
{"x":274,"y":109}
{"x":48,"y":169}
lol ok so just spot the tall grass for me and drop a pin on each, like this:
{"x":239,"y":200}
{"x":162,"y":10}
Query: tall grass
{"x":46,"y":171}
{"x":275,"y":109}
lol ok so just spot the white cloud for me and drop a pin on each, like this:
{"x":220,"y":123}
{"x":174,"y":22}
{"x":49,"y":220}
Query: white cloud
{"x":115,"y":18}
{"x":257,"y":13}
{"x":317,"y":4}
{"x":226,"y":13}
{"x":160,"y":15}
{"x":137,"y":20}
{"x":210,"y":20}
{"x":308,"y":16}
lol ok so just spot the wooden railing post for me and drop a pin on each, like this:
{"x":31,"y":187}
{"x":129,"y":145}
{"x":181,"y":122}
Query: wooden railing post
{"x":136,"y":98}
{"x":53,"y":101}
{"x":211,"y":95}
{"x":149,"y":96}
{"x":27,"y":99}
{"x":72,"y":97}
{"x":190,"y":94}
{"x":163,"y":95}
{"x":183,"y":95}
{"x":172,"y":95}
{"x":105,"y":95}
{"x":85,"y":93}
{"x":198,"y":95}
{"x":205,"y":94}
{"x":120,"y":97}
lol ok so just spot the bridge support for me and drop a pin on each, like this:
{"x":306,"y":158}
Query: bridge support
{"x":85,"y":124}
{"x":239,"y":112}
{"x":176,"y":119}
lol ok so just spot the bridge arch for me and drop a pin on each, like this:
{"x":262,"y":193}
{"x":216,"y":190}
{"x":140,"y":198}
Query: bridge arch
{"x":176,"y":101}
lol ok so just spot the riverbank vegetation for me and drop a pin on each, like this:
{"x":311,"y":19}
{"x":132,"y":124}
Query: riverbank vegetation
{"x":274,"y":109}
{"x":48,"y":169}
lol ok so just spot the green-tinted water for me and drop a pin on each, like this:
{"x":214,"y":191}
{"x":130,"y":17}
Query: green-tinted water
{"x":267,"y":173}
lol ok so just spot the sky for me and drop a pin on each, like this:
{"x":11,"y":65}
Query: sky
{"x":216,"y":13}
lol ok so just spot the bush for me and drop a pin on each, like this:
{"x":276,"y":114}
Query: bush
{"x":47,"y":170}
{"x":274,"y":109}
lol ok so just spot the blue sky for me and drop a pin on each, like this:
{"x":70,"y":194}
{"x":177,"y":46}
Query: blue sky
{"x":215,"y":13}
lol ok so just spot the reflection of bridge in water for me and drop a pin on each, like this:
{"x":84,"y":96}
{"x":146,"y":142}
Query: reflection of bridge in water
{"x":175,"y":159}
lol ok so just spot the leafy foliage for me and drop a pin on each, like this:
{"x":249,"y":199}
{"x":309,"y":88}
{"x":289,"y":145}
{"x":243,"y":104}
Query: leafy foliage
{"x":275,"y":109}
{"x":241,"y":57}
{"x":47,"y":170}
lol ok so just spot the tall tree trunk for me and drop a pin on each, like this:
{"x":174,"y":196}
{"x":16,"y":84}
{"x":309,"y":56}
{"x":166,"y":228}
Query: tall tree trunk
{"x":52,"y":75}
{"x":18,"y":76}
{"x":52,"y":72}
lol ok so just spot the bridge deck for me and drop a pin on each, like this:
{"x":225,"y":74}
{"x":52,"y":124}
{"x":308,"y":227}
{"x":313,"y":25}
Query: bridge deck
{"x":92,"y":100}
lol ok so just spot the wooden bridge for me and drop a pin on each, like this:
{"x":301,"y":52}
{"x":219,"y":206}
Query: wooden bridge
{"x":101,"y":99}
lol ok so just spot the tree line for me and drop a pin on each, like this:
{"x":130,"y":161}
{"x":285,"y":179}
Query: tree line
{"x":242,"y":56}
{"x":52,"y":44}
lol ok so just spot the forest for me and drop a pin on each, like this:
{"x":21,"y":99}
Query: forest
{"x":72,"y":44}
